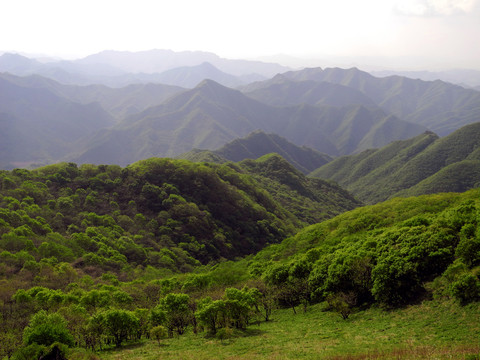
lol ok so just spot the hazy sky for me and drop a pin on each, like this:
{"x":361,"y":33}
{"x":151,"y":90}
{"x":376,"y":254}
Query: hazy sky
{"x":438,"y":32}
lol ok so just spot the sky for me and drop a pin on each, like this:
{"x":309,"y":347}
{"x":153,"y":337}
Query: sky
{"x":408,"y":33}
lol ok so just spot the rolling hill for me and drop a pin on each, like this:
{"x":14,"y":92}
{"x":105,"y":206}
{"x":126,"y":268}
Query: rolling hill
{"x":421,"y":165}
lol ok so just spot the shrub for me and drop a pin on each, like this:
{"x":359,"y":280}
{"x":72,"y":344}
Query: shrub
{"x":158,"y":332}
{"x":466,"y":288}
{"x":46,"y":329}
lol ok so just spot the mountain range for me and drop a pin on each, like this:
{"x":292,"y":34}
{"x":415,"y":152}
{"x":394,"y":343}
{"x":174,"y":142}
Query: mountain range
{"x":210,"y":115}
{"x":310,"y":116}
{"x":119,"y":69}
{"x":39,"y":126}
{"x":463,"y":77}
{"x":421,"y":165}
{"x":441,"y":107}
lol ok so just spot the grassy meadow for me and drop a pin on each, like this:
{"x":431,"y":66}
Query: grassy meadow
{"x":432,"y":330}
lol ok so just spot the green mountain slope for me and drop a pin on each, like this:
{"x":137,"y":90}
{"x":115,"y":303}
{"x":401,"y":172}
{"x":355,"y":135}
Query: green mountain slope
{"x":424,"y":164}
{"x":392,"y":253}
{"x":439,"y":106}
{"x":258,"y":144}
{"x":212,"y":115}
{"x":170,"y":214}
{"x":310,"y":200}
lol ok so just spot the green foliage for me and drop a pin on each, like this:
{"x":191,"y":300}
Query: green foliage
{"x":386,"y":254}
{"x":177,"y":312}
{"x":341,"y":303}
{"x":425,"y":164}
{"x":466,"y":288}
{"x":158,"y":332}
{"x":46,"y":329}
{"x":120,"y":324}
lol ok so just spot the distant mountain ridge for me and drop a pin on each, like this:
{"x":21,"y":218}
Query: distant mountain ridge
{"x":258,"y":144}
{"x":421,"y":165}
{"x":439,"y":106}
{"x":158,"y":61}
{"x":333,"y":111}
{"x":463,"y":77}
{"x":37,"y":125}
{"x":120,"y":102}
{"x":119,"y":69}
{"x":191,"y":76}
{"x":282,"y":91}
{"x":211,"y":115}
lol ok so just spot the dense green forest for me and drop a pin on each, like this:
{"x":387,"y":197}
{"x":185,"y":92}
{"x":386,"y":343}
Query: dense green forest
{"x":95,"y":257}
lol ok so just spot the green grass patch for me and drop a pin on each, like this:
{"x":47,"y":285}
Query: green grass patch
{"x":433,"y":330}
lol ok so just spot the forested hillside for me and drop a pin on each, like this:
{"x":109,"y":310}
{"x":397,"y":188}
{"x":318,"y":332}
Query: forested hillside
{"x":425,"y":164}
{"x":391,"y":253}
{"x":164,"y":213}
{"x":73,"y":267}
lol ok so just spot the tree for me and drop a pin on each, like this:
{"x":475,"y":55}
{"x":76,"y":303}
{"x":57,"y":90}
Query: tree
{"x":395,"y":281}
{"x":211,"y":314}
{"x":120,"y":324}
{"x":177,"y":312}
{"x":46,"y":329}
{"x":342,"y":303}
{"x":238,"y":306}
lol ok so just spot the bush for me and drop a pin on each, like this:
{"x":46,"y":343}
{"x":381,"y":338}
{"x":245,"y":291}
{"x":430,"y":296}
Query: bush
{"x":224,"y":333}
{"x":46,"y":329}
{"x":120,"y":324}
{"x":158,"y":333}
{"x":466,"y":288}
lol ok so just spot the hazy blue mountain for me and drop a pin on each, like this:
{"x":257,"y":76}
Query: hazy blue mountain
{"x":282,"y":91}
{"x":464,"y":77}
{"x":18,"y":64}
{"x":439,"y":106}
{"x":258,"y":144}
{"x":65,"y":72}
{"x":120,"y":102}
{"x":211,"y":115}
{"x":421,"y":165}
{"x":191,"y":76}
{"x":158,"y":61}
{"x":40,"y":126}
{"x":119,"y":69}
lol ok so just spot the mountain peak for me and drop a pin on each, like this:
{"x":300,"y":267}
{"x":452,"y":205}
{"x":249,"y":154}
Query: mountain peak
{"x":210,"y":85}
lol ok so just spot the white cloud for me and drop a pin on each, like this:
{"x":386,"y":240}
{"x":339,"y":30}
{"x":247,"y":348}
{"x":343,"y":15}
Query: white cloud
{"x":434,"y":7}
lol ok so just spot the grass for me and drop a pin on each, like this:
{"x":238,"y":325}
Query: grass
{"x":431,"y":330}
